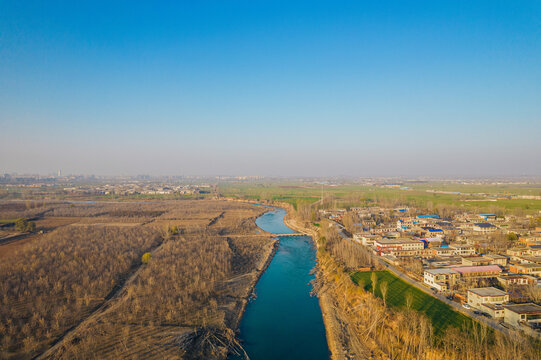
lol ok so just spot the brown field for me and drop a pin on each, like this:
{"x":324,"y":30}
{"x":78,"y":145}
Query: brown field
{"x":80,"y":290}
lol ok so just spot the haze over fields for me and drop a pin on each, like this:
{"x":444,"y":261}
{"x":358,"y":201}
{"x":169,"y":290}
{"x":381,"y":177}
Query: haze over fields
{"x":301,"y":88}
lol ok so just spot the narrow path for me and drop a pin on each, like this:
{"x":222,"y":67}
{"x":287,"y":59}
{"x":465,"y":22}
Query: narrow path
{"x":102,"y":309}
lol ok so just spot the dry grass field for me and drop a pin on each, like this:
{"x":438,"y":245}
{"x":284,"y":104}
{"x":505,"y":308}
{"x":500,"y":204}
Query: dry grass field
{"x":80,"y":290}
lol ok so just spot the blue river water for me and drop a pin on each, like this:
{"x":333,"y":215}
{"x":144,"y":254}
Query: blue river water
{"x":283,"y":321}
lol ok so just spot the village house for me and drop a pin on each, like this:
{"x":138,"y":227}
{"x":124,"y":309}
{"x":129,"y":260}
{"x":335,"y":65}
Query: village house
{"x":442,"y":251}
{"x":516,"y":253}
{"x":529,"y":259}
{"x":534,"y":250}
{"x":441,"y":279}
{"x":486,"y":295}
{"x":433,"y":242}
{"x":445,"y":225}
{"x":436,"y":262}
{"x":428,"y":216}
{"x":484,"y":227}
{"x":523,"y":314}
{"x":528,"y":269}
{"x":516,"y":280}
{"x":475,"y":260}
{"x":382,"y":229}
{"x":494,"y":310}
{"x":405,"y":224}
{"x":438,"y":233}
{"x":530,"y":240}
{"x":497,"y":259}
{"x":399,"y":247}
{"x":366,"y":239}
{"x":462,"y":249}
{"x":473,"y":272}
{"x":487,"y":217}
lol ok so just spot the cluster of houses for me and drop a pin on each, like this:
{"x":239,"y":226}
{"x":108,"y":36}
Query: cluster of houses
{"x":456,"y":260}
{"x":134,"y":188}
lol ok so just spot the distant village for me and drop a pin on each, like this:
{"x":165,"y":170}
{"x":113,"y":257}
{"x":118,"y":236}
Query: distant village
{"x":139,"y":188}
{"x":489,"y":264}
{"x":91,"y":185}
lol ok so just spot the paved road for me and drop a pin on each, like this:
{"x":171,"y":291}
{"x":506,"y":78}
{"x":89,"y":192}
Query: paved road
{"x":403,"y":276}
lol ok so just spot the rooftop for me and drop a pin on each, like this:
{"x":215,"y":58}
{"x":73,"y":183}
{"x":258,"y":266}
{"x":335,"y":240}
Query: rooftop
{"x":441,"y":271}
{"x":529,"y":308}
{"x":493,"y":306}
{"x":514,"y":276}
{"x":474,"y":269}
{"x":496,"y":256}
{"x":475,"y":258}
{"x":398,"y":241}
{"x":484,"y":225}
{"x":528,"y":266}
{"x":488,"y":291}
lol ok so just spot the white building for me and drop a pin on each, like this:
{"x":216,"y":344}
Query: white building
{"x":528,"y":315}
{"x":486,"y":295}
{"x":441,"y":279}
{"x":399,"y":246}
{"x":462,"y":250}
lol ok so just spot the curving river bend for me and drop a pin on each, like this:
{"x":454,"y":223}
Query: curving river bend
{"x":283,"y":321}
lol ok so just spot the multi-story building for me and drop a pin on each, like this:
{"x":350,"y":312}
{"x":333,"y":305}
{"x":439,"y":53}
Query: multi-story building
{"x":441,"y":279}
{"x":462,"y":249}
{"x":497,"y":259}
{"x":516,"y":251}
{"x":442,"y":251}
{"x":486,"y":295}
{"x":516,"y":280}
{"x":484,"y":227}
{"x":399,"y":247}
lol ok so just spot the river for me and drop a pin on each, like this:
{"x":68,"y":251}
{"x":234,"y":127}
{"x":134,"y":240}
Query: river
{"x":283,"y":321}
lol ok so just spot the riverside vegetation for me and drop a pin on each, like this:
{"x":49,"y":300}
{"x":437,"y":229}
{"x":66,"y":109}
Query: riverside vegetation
{"x":163,"y":279}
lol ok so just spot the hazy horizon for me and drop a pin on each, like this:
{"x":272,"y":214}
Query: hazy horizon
{"x":303,"y":88}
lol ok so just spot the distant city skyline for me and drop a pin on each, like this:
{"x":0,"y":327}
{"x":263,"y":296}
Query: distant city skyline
{"x":296,"y":88}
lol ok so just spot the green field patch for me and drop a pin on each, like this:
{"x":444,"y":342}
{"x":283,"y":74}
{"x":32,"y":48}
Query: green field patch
{"x":440,"y":314}
{"x":346,"y":196}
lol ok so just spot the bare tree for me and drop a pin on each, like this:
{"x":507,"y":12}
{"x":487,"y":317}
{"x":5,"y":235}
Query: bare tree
{"x":374,"y":279}
{"x":383,"y":287}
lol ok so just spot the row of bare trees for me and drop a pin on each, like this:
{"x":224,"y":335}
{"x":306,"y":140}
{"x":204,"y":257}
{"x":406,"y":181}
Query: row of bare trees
{"x":184,"y":289}
{"x":50,"y":284}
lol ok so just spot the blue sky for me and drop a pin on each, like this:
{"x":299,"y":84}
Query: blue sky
{"x":271,"y":87}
